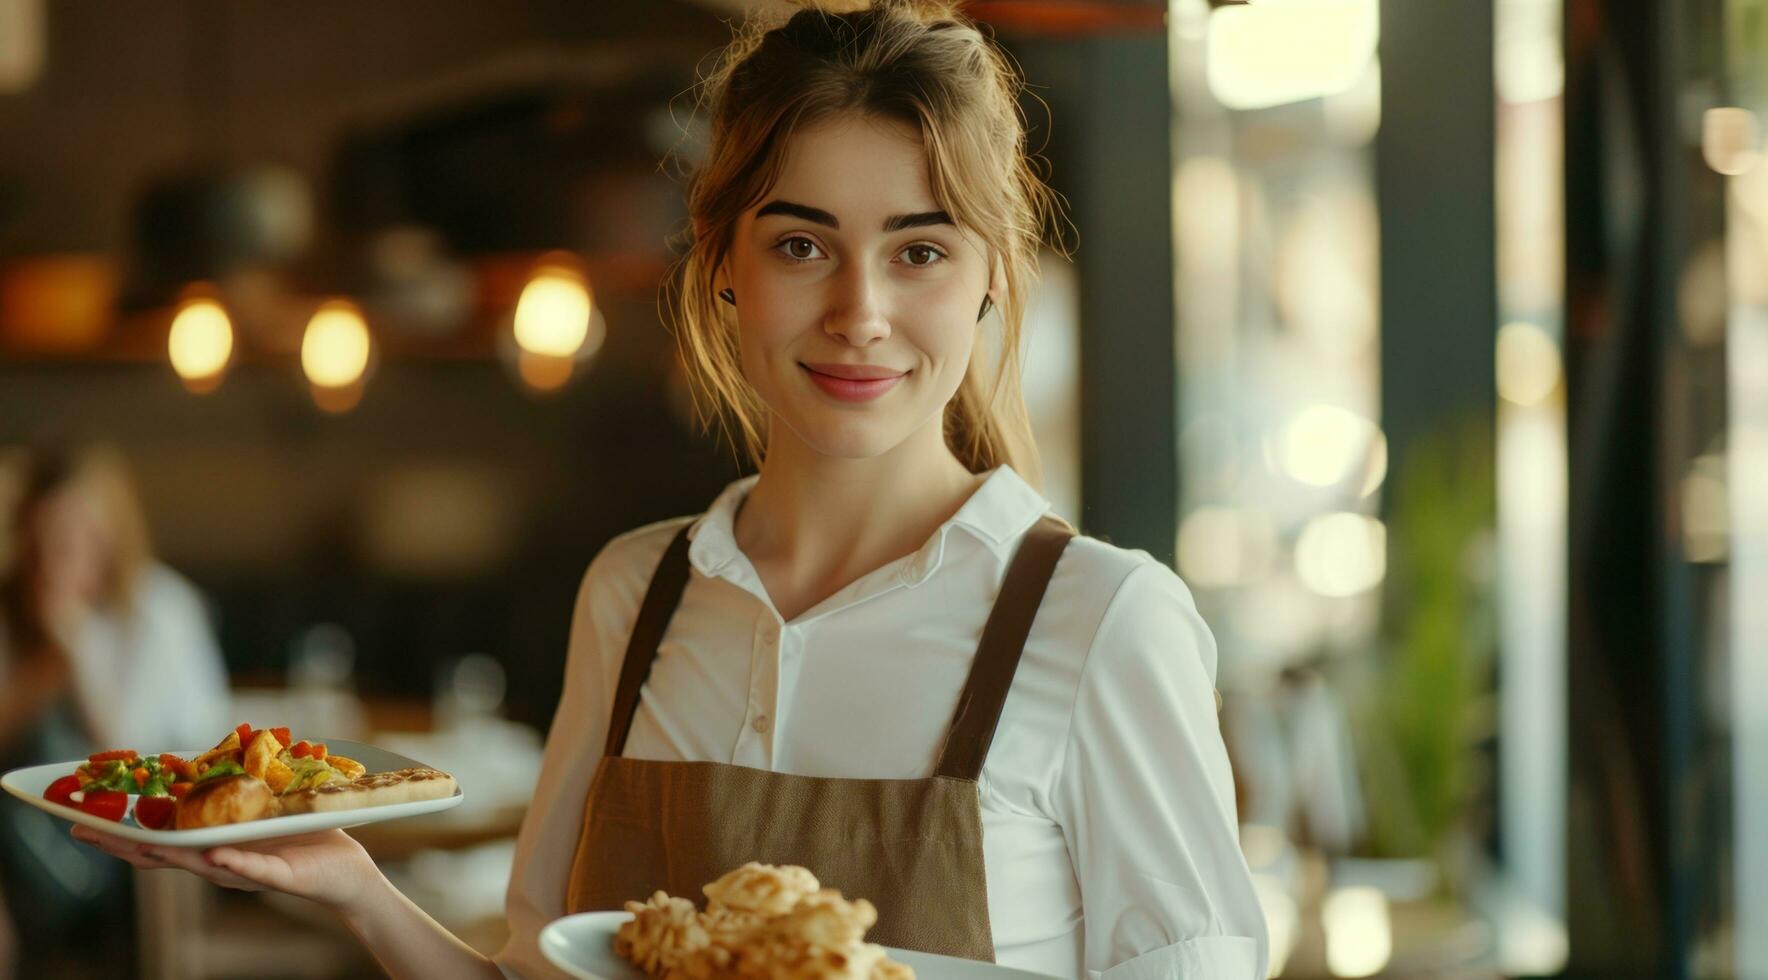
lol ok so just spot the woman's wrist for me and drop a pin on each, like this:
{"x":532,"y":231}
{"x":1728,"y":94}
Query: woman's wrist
{"x":373,"y":901}
{"x":405,"y":940}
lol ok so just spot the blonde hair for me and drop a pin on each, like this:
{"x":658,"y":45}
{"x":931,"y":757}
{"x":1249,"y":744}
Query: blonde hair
{"x":48,"y":472}
{"x":917,"y":61}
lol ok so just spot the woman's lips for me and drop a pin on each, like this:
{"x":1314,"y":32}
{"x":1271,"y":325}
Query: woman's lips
{"x":854,"y":385}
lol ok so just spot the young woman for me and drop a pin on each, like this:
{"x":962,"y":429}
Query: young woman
{"x":100,"y":645}
{"x":880,"y":657}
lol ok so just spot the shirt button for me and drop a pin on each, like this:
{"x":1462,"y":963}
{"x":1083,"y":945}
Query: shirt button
{"x":761,"y":724}
{"x":770,"y":634}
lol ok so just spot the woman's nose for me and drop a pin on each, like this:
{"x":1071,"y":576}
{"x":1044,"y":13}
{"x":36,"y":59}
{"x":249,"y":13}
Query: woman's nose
{"x":857,"y":311}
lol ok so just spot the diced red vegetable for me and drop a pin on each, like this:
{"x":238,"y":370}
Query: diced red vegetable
{"x":178,"y":767}
{"x":155,"y":812}
{"x":301,"y":749}
{"x":282,"y":735}
{"x":319,"y":751}
{"x":106,"y":803}
{"x":140,"y":776}
{"x":245,"y":734}
{"x":179,"y":789}
{"x":61,"y":789}
{"x":120,"y":755}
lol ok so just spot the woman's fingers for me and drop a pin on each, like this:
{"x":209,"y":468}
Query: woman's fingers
{"x":266,"y":870}
{"x":117,"y":847}
{"x":328,"y":867}
{"x":149,"y":857}
{"x":195,"y":862}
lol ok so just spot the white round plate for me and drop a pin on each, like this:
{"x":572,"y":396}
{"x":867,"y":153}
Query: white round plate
{"x":583,"y":946}
{"x":28,"y":785}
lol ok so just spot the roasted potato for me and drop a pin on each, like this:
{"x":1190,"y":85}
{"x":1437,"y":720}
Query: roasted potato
{"x":349,"y":768}
{"x":225,"y":749}
{"x":278,"y":775}
{"x":260,"y":754}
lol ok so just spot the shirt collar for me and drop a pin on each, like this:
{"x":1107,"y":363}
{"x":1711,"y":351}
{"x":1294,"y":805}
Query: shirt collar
{"x":997,"y":513}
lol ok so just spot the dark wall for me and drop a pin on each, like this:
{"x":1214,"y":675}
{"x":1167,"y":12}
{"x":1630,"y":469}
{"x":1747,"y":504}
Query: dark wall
{"x":286,"y":516}
{"x":1109,"y":126}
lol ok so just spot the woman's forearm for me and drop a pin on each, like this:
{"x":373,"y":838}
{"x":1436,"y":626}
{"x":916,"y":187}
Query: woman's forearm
{"x":409,"y":944}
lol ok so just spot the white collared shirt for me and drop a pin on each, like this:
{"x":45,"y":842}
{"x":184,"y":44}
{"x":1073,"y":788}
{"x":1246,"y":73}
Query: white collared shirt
{"x":1109,"y":832}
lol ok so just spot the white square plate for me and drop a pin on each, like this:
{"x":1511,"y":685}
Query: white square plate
{"x":29,"y":783}
{"x":583,"y":946}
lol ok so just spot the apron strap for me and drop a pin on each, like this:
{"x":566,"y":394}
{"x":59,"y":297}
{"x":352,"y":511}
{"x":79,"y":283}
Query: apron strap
{"x":997,"y":655}
{"x":661,"y":598}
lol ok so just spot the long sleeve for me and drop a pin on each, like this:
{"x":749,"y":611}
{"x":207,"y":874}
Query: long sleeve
{"x":607,"y":604}
{"x":1146,"y":799}
{"x":549,"y":829}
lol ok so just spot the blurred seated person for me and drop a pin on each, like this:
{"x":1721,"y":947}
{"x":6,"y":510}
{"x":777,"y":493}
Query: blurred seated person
{"x":100,"y":647}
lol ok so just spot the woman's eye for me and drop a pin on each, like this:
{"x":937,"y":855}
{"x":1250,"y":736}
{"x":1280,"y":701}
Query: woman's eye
{"x":799,"y":249}
{"x":922,"y":255}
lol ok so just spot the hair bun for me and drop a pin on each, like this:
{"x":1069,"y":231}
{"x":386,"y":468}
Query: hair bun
{"x":923,"y":9}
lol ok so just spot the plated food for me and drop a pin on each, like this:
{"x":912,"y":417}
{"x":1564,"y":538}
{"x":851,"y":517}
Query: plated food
{"x":761,"y":921}
{"x":249,"y":775}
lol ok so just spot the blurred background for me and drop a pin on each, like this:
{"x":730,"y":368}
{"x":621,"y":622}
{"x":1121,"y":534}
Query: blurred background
{"x":1429,"y":342}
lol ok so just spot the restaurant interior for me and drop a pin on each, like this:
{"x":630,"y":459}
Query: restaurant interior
{"x":1428,"y":343}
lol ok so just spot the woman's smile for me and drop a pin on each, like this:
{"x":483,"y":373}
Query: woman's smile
{"x":853,"y":382}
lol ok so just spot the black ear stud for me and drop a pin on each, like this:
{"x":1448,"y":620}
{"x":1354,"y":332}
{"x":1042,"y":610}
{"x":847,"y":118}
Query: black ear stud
{"x":728,"y":296}
{"x":987,"y":304}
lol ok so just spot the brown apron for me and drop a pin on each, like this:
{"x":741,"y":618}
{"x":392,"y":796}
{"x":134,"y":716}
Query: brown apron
{"x":912,"y":847}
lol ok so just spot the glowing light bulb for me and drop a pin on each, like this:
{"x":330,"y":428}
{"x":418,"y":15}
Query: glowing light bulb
{"x":336,"y":346}
{"x":200,"y":343}
{"x":553,"y":314}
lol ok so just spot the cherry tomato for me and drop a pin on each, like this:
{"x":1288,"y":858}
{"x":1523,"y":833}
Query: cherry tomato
{"x":179,"y":789}
{"x":301,"y":749}
{"x":61,"y":789}
{"x":121,"y":755}
{"x":106,"y":803}
{"x":282,"y":735}
{"x":155,"y":812}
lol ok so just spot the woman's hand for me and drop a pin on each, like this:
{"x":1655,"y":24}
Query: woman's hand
{"x":329,"y":867}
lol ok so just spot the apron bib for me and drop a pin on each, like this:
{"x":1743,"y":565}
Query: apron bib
{"x":912,"y":847}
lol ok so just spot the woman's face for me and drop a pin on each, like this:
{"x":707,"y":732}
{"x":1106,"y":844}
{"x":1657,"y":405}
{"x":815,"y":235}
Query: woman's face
{"x":74,"y":548}
{"x":856,"y":296}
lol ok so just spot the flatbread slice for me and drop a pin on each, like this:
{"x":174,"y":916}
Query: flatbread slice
{"x":374,"y":789}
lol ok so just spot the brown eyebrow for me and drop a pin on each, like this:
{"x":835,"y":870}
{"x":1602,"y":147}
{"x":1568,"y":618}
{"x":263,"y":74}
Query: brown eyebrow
{"x":900,"y":221}
{"x":895,"y":222}
{"x":804,"y":211}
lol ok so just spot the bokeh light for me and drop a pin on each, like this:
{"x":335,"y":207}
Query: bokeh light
{"x":1340,"y":555}
{"x":336,"y":346}
{"x":1528,"y":363}
{"x":200,"y":343}
{"x":553,"y":314}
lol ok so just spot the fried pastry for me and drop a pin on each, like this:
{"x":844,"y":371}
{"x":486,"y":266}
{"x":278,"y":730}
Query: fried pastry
{"x":764,"y":888}
{"x":762,"y":922}
{"x":663,"y":932}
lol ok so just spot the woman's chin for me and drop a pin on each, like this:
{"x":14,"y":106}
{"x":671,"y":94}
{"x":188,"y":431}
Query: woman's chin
{"x":850,"y":438}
